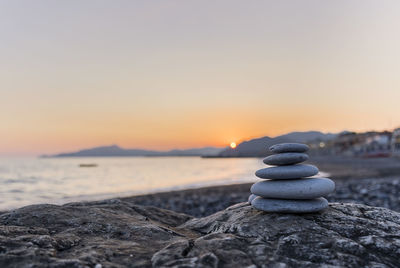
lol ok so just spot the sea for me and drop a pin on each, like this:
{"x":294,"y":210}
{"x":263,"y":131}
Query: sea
{"x":27,"y":181}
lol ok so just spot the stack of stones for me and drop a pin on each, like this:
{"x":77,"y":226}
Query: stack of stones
{"x":287,"y":187}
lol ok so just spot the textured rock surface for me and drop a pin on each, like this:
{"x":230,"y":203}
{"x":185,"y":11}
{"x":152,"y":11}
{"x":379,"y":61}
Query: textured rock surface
{"x":342,"y":235}
{"x":111,"y":233}
{"x":120,"y":234}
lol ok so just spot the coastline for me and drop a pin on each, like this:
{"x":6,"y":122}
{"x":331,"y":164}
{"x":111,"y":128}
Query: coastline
{"x":356,"y":181}
{"x":374,"y":182}
{"x":164,"y":229}
{"x":208,"y":200}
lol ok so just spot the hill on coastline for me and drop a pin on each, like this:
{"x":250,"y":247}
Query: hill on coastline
{"x":258,"y":147}
{"x":251,"y":148}
{"x":116,"y":151}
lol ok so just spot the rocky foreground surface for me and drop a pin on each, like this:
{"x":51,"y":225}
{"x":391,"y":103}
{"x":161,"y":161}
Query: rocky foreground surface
{"x":117,"y":233}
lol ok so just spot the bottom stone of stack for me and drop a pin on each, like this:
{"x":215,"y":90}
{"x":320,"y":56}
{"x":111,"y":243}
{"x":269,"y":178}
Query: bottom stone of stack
{"x":289,"y":206}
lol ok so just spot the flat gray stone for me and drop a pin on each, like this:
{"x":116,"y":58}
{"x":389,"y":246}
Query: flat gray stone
{"x":289,"y":148}
{"x":251,"y":198}
{"x":293,"y":189}
{"x":289,"y":206}
{"x":287,"y":172}
{"x":285,"y":159}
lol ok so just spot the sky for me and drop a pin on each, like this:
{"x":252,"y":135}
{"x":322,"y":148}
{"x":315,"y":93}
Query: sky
{"x":179,"y":74}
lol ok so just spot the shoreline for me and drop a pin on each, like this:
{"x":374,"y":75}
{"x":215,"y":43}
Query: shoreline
{"x":356,"y":181}
{"x":353,"y":177}
{"x":208,"y":200}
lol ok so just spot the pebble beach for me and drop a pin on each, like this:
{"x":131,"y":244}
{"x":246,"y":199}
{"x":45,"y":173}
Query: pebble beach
{"x":373,"y":182}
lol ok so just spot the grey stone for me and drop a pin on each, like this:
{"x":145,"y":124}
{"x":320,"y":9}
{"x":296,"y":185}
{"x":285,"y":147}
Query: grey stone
{"x":123,"y":234}
{"x":285,"y":159}
{"x":342,"y":235}
{"x":289,"y":206}
{"x":112,"y":233}
{"x":287,"y":172}
{"x":293,"y":189}
{"x":289,"y":148}
{"x":251,"y":198}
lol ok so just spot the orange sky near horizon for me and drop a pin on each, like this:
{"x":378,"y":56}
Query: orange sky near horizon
{"x":162,"y":75}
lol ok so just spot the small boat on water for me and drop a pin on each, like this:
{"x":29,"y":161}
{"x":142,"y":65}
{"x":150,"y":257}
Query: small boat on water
{"x":88,"y":165}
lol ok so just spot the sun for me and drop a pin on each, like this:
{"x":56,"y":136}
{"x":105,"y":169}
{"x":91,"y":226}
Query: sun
{"x":233,"y":145}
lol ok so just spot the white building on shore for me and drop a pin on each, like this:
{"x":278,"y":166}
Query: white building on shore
{"x":395,"y":142}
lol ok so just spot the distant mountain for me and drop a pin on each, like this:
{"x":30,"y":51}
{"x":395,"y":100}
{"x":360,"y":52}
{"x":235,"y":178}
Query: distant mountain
{"x":252,"y":148}
{"x":115,"y":150}
{"x":259,"y":147}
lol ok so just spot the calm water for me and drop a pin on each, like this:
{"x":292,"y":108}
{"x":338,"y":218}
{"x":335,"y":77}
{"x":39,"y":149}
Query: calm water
{"x":25,"y":181}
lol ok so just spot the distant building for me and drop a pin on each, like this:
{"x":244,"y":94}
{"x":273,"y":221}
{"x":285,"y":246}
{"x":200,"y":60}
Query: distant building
{"x":367,"y":144}
{"x":395,"y":142}
{"x":345,"y":143}
{"x":377,"y":145}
